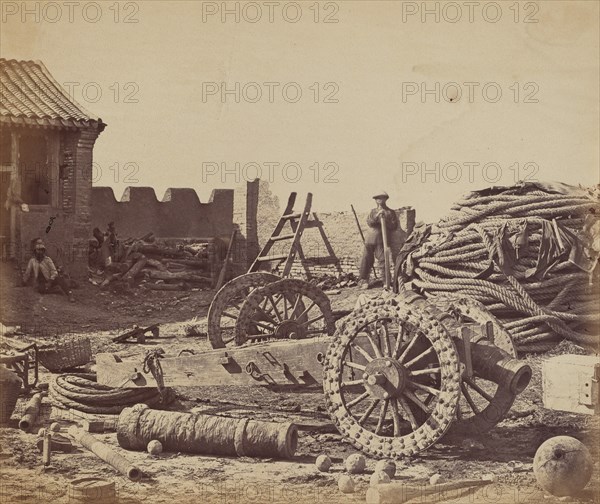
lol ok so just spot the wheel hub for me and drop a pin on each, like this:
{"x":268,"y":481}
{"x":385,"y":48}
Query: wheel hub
{"x":289,"y":329}
{"x":385,"y":377}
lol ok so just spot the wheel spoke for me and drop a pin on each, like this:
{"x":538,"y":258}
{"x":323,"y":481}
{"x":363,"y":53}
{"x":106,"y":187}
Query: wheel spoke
{"x":382,"y":414}
{"x":263,"y":325}
{"x":308,"y":322}
{"x":373,"y":344}
{"x":386,"y":346}
{"x":408,"y":348}
{"x":277,"y":313}
{"x":426,"y":371}
{"x":306,"y":310}
{"x":418,"y":401}
{"x":354,"y":365}
{"x":260,"y":336}
{"x":399,"y":340}
{"x":409,"y":414}
{"x":362,"y":351}
{"x":473,"y":384}
{"x":431,"y":390}
{"x":285,"y":308}
{"x":395,"y":417}
{"x":469,"y":399}
{"x":351,"y":383}
{"x":367,"y":413}
{"x":358,"y":399}
{"x":419,"y":357}
{"x":296,"y":304}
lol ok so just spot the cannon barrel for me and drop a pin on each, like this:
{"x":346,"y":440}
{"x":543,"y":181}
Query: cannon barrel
{"x":207,"y":434}
{"x":494,"y":364}
{"x":489,"y":361}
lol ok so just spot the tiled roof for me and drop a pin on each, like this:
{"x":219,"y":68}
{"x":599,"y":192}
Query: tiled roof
{"x":29,"y":96}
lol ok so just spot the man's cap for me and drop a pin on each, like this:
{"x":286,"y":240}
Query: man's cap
{"x":39,"y":245}
{"x":381,"y":194}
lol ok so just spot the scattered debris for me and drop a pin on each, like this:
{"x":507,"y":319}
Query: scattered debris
{"x":105,"y":453}
{"x":91,"y":491}
{"x":32,"y":410}
{"x":398,"y":493}
{"x":139,"y":333}
{"x":99,"y":426}
{"x":58,"y":443}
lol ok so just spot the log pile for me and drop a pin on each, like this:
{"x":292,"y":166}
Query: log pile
{"x":156,"y":264}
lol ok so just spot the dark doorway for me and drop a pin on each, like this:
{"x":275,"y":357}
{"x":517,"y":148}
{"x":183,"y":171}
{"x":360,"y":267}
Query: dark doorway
{"x":34,"y":169}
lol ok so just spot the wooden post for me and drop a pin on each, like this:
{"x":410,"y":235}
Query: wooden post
{"x":386,"y":254}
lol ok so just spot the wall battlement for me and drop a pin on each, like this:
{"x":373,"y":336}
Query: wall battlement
{"x":180,"y":213}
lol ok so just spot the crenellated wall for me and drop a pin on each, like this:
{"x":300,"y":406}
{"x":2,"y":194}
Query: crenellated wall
{"x":179,"y":214}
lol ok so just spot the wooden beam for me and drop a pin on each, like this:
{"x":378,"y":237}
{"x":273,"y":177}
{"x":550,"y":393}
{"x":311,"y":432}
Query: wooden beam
{"x":295,"y":362}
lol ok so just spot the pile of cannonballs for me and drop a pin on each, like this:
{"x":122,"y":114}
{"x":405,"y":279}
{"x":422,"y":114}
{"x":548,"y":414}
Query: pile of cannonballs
{"x":384,"y":472}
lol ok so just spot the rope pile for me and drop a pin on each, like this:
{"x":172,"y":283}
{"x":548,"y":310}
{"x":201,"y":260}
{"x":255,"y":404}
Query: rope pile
{"x":81,"y":393}
{"x":462,"y":255}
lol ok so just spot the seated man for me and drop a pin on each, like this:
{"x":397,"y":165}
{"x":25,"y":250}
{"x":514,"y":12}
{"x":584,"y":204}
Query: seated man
{"x":374,"y":237}
{"x":44,"y":273}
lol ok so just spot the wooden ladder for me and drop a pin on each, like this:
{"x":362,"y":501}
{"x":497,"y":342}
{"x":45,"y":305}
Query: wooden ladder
{"x":298,"y":222}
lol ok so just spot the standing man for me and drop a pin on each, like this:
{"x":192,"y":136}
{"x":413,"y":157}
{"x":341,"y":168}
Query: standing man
{"x":374,"y":238}
{"x":44,"y":273}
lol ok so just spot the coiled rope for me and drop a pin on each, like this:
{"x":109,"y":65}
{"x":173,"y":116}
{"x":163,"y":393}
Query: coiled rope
{"x":460,"y":256}
{"x":81,"y":392}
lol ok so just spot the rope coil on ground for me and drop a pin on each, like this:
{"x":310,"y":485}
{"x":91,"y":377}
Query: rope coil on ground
{"x":82,"y":393}
{"x":464,"y":255}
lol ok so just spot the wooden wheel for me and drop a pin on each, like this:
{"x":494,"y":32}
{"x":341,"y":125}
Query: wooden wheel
{"x":392,"y":379}
{"x":225,"y":307}
{"x":483,"y":403}
{"x":286,"y":309}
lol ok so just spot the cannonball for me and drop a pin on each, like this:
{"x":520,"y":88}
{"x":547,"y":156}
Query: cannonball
{"x":323,"y":463}
{"x":436,"y":479}
{"x":154,"y":447}
{"x":355,"y":463}
{"x":54,"y":427}
{"x":379,"y":477}
{"x":562,"y":466}
{"x":346,"y":484}
{"x":387,"y":466}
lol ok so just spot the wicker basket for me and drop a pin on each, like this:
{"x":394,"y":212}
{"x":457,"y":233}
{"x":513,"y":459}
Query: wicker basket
{"x":10,"y":386}
{"x":66,"y":354}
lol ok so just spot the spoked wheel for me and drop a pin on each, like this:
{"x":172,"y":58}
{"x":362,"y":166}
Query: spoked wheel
{"x":392,"y":379}
{"x":225,"y":307}
{"x":483,"y":403}
{"x":287,"y":309}
{"x":466,"y":309}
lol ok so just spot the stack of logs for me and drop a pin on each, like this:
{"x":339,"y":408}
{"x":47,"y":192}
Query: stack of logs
{"x":165,"y":264}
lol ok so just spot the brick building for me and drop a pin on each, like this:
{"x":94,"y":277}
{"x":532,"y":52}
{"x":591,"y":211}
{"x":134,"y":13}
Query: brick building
{"x":46,"y":145}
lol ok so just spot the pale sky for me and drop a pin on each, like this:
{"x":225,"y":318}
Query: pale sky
{"x":545,"y":125}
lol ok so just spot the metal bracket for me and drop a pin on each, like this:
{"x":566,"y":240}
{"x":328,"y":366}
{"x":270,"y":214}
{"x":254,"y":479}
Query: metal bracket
{"x":589,"y":390}
{"x":465,"y":336}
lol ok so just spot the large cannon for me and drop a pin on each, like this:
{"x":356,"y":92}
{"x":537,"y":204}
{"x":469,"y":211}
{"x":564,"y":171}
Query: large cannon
{"x":397,"y":372}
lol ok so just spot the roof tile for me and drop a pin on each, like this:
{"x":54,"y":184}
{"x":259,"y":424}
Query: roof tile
{"x":29,"y":95}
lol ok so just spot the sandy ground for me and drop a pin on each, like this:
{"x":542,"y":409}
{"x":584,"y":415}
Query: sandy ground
{"x":193,"y":478}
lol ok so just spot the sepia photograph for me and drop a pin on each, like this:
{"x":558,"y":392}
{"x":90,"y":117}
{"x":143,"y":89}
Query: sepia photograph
{"x":299,"y":252}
